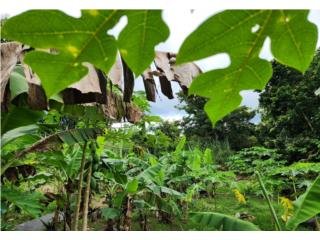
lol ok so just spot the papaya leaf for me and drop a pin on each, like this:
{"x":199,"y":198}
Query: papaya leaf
{"x":76,"y":40}
{"x":136,"y":42}
{"x":70,"y":42}
{"x":220,"y":221}
{"x":241,"y":34}
{"x":306,"y":206}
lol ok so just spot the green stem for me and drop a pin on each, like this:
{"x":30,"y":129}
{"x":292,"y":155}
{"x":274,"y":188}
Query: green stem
{"x":273,"y":212}
{"x":294,"y":187}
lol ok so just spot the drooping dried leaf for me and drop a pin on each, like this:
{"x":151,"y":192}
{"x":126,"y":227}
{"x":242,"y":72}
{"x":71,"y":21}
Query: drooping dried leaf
{"x":54,"y":141}
{"x":37,"y":99}
{"x":133,"y":113}
{"x":128,"y":82}
{"x":185,"y":73}
{"x":149,"y":85}
{"x":162,"y":63}
{"x":115,"y":74}
{"x":10,"y":52}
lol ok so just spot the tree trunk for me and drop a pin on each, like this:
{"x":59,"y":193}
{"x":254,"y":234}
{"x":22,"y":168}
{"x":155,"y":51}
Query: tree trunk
{"x":67,"y":209}
{"x":143,"y":221}
{"x":128,"y":216}
{"x":77,"y":213}
{"x":86,"y":200}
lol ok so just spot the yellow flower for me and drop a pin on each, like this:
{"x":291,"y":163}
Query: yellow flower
{"x":239,"y":196}
{"x":288,"y":208}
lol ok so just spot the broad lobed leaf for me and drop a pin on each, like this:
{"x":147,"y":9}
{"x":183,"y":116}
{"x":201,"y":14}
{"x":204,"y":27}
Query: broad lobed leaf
{"x":70,"y":42}
{"x":242,"y":34}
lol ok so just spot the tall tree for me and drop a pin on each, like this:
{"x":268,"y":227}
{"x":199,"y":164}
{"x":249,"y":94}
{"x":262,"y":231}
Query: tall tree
{"x":235,"y":128}
{"x":291,"y":112}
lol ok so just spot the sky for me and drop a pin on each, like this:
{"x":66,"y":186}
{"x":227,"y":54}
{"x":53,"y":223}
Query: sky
{"x":181,"y":23}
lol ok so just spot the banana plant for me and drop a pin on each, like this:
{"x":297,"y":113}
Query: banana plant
{"x":306,"y":206}
{"x":218,"y":221}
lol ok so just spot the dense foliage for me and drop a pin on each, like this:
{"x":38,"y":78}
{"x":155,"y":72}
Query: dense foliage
{"x":291,"y":112}
{"x":235,"y":128}
{"x":73,"y":162}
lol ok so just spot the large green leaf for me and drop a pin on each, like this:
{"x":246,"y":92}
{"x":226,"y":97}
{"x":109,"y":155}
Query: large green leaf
{"x":77,"y":40}
{"x":132,"y":186}
{"x":242,"y":34}
{"x":110,"y":213}
{"x":223,"y":222}
{"x":136,"y":42}
{"x":18,"y":117}
{"x":26,"y":201}
{"x":171,"y":192}
{"x":306,"y":206}
{"x":72,"y":157}
{"x":18,"y":82}
{"x":84,"y":39}
{"x":151,"y":173}
{"x":18,"y":132}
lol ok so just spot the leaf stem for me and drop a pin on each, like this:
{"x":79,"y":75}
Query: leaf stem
{"x":274,"y":215}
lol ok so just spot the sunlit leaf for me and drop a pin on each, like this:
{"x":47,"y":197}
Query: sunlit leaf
{"x":242,"y":34}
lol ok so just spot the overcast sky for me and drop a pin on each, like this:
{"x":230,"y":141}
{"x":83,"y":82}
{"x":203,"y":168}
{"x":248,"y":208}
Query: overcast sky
{"x":181,"y":24}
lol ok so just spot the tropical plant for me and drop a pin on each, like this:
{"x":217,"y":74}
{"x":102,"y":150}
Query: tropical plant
{"x":223,"y":222}
{"x":306,"y":206}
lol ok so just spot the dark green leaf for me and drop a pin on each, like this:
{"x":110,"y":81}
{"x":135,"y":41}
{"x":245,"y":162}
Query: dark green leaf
{"x":110,"y":213}
{"x":18,"y":132}
{"x":223,"y":222}
{"x":26,"y":201}
{"x":17,"y":117}
{"x":18,"y":82}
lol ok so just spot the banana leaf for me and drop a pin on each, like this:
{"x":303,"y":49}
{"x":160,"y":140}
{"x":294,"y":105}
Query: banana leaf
{"x":220,"y":221}
{"x":306,"y":206}
{"x":70,"y":137}
{"x":18,"y":132}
